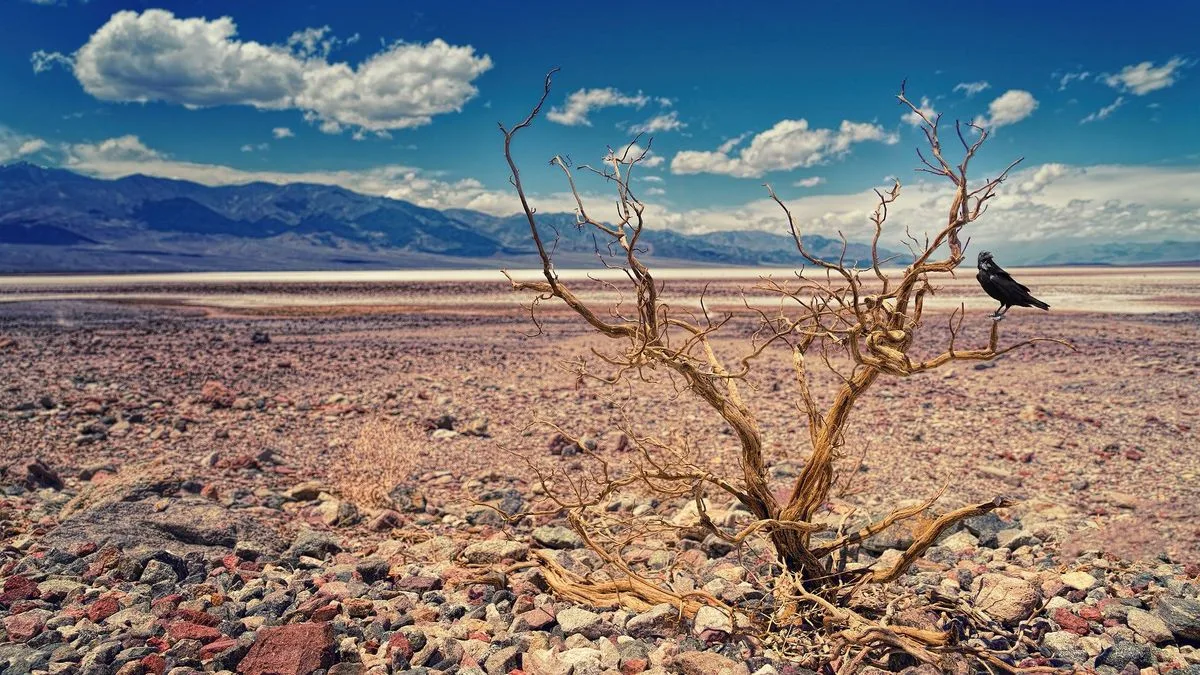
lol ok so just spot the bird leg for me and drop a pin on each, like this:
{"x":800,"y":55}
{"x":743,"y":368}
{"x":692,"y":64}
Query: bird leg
{"x":999,"y":313}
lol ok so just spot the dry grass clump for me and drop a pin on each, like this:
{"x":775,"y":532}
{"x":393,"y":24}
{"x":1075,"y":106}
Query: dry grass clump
{"x":383,"y":457}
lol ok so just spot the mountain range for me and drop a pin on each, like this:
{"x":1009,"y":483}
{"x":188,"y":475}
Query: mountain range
{"x":55,"y":220}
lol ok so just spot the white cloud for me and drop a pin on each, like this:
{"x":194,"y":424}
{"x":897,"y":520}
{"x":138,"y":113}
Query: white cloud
{"x":655,"y":192}
{"x":282,"y":132}
{"x":155,"y":56}
{"x":787,"y":145}
{"x":1104,"y":112}
{"x":43,"y":61}
{"x":317,"y":42}
{"x":581,"y":103}
{"x":811,"y":181}
{"x":255,"y":148}
{"x":1067,"y":78}
{"x":1049,"y":204}
{"x":1035,"y":180}
{"x":1010,"y":107}
{"x":668,"y":122}
{"x":1144,"y":78}
{"x":926,"y":108}
{"x":630,"y":152}
{"x":972,"y":88}
{"x":15,"y":146}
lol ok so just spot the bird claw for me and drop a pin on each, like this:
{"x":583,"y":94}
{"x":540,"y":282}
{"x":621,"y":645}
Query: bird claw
{"x":997,"y":317}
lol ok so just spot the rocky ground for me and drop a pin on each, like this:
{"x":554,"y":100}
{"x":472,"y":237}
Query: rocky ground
{"x":285,"y":492}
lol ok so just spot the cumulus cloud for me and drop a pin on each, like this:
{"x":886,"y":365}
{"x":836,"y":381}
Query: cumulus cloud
{"x":17,"y":146}
{"x":1052,"y":204}
{"x":926,"y":109}
{"x":282,"y":132}
{"x":196,"y":62}
{"x":1104,"y":112}
{"x":581,"y":103}
{"x":1143,"y":78}
{"x":1010,"y":107}
{"x":668,"y":122}
{"x":811,"y":181}
{"x":787,"y":145}
{"x":1034,"y":181}
{"x":972,"y":88}
{"x":259,"y":147}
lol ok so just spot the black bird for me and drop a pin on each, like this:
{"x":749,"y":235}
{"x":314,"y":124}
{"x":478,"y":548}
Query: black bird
{"x":1001,"y":286}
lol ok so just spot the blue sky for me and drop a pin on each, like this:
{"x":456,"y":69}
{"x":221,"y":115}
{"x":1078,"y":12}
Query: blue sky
{"x":402,"y":99}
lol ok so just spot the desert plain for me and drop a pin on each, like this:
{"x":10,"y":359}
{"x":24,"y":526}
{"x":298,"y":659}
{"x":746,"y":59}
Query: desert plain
{"x":357,"y":427}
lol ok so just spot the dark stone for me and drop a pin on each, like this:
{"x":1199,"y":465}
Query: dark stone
{"x":1123,"y":653}
{"x":1182,"y":616}
{"x":986,"y":527}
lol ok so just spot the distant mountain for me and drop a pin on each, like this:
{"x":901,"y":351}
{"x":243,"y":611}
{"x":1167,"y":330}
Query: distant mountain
{"x":1122,"y":253}
{"x":54,"y":220}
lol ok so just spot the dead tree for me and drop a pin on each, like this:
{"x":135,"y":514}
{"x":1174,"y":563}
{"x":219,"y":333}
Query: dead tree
{"x":870,"y":319}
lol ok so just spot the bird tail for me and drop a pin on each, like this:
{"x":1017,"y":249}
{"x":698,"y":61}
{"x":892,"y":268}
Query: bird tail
{"x":1039,"y":304}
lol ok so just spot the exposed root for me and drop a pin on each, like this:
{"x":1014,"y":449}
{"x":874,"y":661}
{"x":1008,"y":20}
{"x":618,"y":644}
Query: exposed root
{"x":632,"y":592}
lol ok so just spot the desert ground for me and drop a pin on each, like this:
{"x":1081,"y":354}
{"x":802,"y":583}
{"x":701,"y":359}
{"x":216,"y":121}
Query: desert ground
{"x":373,"y":416}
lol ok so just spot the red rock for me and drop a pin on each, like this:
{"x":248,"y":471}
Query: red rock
{"x":23,"y":606}
{"x":83,"y":548}
{"x":23,"y":627}
{"x":535,"y":619}
{"x":633,"y":666}
{"x":197,"y":617}
{"x":419,"y":584}
{"x":399,"y":643}
{"x":18,"y":588}
{"x":217,"y":646}
{"x":154,"y":664}
{"x":166,"y":605}
{"x":327,"y":612}
{"x":157,"y":644}
{"x":1090,"y":612}
{"x":294,"y":649}
{"x":1070,"y":622}
{"x":104,"y":607}
{"x":186,"y":630}
{"x":217,"y":395}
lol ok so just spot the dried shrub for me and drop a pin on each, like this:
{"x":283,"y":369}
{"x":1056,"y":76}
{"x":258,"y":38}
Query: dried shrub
{"x":841,"y":328}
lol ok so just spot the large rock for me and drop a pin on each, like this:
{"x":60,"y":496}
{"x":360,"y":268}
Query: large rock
{"x":294,"y":649}
{"x":709,"y":663}
{"x":659,"y":621}
{"x":491,"y":552}
{"x":1005,"y":598}
{"x":217,"y":395}
{"x":1124,"y":653}
{"x":1182,"y":616}
{"x":185,"y":525}
{"x":1080,"y":581}
{"x":34,"y":474}
{"x":556,"y":536}
{"x":579,"y":620}
{"x":1149,"y":626}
